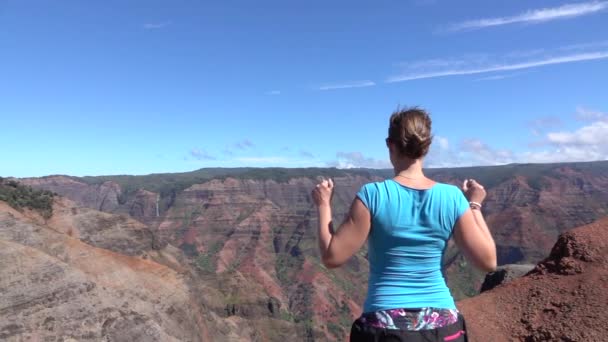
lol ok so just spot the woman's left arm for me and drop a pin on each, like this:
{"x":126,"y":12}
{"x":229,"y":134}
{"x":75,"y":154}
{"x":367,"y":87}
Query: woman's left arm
{"x":336,"y":248}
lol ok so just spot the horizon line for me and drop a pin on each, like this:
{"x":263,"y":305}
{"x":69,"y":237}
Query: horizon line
{"x":302,"y":168}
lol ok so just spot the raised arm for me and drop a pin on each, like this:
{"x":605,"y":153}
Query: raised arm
{"x":336,"y":248}
{"x":471,"y":232}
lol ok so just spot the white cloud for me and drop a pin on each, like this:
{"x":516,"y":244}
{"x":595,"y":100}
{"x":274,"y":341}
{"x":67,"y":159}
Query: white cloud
{"x":468,"y":69}
{"x":201,"y":154}
{"x":156,"y":26}
{"x":263,"y":160}
{"x":586,"y":143}
{"x":536,"y":15}
{"x":244,"y":144}
{"x":584,"y":46}
{"x":277,"y":161}
{"x":442,"y":62}
{"x":540,"y":125}
{"x":564,"y":154}
{"x":441,"y":154}
{"x":442,"y":142}
{"x":586,"y":114}
{"x":482,"y":154}
{"x":348,"y":160}
{"x":355,"y":84}
{"x":590,"y":136}
{"x":306,"y":154}
{"x":496,"y":77}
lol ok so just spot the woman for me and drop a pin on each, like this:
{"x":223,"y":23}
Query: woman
{"x":407,"y":221}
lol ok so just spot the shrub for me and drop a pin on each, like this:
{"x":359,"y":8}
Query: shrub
{"x":20,"y":196}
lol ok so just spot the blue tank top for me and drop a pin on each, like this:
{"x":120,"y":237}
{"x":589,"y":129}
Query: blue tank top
{"x":409,"y":233}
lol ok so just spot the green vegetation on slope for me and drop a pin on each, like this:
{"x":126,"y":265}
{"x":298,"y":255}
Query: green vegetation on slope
{"x":169,"y":182}
{"x":534,"y":174}
{"x":287,"y":266}
{"x":19,"y":196}
{"x":207,"y":262}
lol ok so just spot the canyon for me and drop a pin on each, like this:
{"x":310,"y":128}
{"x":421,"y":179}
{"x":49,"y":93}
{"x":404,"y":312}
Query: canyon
{"x":231,"y":255}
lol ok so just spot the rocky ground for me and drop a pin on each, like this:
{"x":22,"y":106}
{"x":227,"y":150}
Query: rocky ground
{"x":55,"y":286}
{"x":562,"y":299}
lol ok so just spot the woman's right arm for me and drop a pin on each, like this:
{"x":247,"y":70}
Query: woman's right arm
{"x":471,"y":232}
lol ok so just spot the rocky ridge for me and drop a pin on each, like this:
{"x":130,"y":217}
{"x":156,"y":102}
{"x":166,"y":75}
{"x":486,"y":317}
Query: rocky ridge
{"x":560,"y":300}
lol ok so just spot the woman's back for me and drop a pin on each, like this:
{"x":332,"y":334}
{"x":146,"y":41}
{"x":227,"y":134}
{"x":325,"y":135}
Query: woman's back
{"x":407,"y":229}
{"x":409,"y":233}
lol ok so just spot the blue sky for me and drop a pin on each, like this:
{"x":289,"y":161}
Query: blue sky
{"x":137,"y":87}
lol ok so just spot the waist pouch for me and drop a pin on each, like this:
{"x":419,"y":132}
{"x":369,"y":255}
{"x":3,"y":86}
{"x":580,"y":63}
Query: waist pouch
{"x":456,"y":332}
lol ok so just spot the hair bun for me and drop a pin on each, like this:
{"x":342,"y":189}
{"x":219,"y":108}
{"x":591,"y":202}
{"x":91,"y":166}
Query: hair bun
{"x":410,"y":129}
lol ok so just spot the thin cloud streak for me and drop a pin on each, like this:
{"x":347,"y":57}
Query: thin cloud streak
{"x":263,"y":160}
{"x":496,"y":77}
{"x":201,"y":154}
{"x":357,"y":84}
{"x":244,"y":144}
{"x":155,"y":26}
{"x":536,"y":16}
{"x":306,"y":154}
{"x":277,"y":161}
{"x":503,"y":67}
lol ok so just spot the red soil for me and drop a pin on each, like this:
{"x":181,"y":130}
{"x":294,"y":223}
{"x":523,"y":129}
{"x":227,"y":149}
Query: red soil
{"x":562,"y":299}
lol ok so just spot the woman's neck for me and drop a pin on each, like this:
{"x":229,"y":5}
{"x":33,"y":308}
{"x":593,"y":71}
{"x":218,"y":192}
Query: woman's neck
{"x":409,"y":168}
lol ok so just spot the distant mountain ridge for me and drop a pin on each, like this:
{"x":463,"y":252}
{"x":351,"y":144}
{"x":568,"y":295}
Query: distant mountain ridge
{"x":512,"y":188}
{"x":246,"y":238}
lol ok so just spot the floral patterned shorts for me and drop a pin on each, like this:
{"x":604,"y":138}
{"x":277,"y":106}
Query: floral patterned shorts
{"x":410,"y":319}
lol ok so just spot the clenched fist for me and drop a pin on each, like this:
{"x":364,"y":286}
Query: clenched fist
{"x":473,"y":191}
{"x":323,"y":192}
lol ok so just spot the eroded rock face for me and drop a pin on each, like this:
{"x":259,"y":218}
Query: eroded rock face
{"x":558,"y":301}
{"x":102,"y":197}
{"x":143,"y":206}
{"x":56,"y":287}
{"x":118,"y":233}
{"x":255,"y":241}
{"x":107,"y":196}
